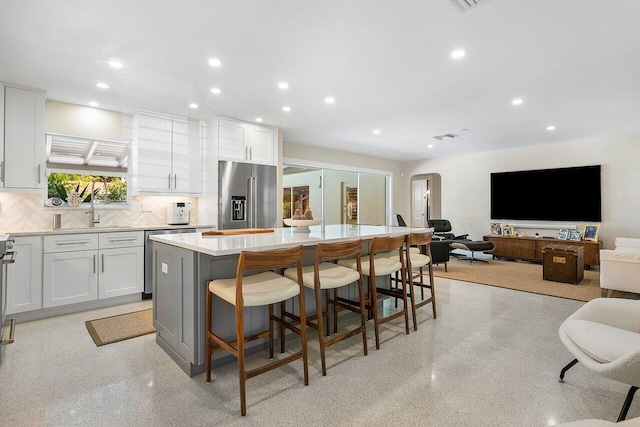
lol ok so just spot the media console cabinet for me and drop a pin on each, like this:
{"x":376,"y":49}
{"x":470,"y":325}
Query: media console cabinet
{"x":530,"y":248}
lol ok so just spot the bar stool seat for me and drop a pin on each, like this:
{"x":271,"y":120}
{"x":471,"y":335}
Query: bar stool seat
{"x":383,"y":265}
{"x":258,"y":289}
{"x":331,"y":275}
{"x":379,"y":264}
{"x":261,"y":289}
{"x":417,"y":259}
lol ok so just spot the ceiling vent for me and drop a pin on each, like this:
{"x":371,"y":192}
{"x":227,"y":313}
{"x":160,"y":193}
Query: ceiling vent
{"x":469,"y":4}
{"x":446,"y":136}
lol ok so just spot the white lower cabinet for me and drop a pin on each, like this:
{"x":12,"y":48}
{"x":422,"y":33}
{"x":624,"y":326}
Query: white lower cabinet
{"x":24,"y":277}
{"x":121,"y":272}
{"x":78,"y":269}
{"x":70,"y":277}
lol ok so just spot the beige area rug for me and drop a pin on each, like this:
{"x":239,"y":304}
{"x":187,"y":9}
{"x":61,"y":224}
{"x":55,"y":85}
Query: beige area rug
{"x":523,"y":276}
{"x":121,"y":327}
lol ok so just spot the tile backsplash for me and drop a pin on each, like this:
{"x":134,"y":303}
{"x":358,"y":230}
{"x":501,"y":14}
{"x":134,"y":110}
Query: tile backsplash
{"x":25,"y":211}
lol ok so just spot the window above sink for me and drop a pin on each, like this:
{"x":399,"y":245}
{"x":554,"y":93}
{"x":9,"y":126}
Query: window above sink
{"x":76,"y":164}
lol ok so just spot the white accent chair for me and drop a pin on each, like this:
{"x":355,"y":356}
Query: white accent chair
{"x":620,"y":268}
{"x":604,"y":335}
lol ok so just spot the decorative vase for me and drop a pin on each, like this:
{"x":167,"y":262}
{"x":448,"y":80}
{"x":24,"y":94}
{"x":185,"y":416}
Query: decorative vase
{"x":73,"y":198}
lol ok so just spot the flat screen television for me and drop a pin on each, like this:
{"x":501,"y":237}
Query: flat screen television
{"x":565,"y":194}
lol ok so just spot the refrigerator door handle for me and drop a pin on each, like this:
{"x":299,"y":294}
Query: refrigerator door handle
{"x":249,"y":208}
{"x":254,"y":201}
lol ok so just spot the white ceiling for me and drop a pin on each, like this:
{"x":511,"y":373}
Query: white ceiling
{"x":575,"y":63}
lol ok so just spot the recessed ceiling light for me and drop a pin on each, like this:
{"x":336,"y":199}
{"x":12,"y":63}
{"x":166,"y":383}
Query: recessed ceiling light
{"x":102,"y":85}
{"x":193,"y":105}
{"x":517,"y":101}
{"x":377,"y":131}
{"x":457,"y":54}
{"x":215,"y":62}
{"x":329,"y":100}
{"x":93,"y":104}
{"x":286,"y":109}
{"x":551,"y":127}
{"x":430,"y":146}
{"x":258,"y":119}
{"x":116,"y":64}
{"x":283,"y":85}
{"x":216,"y":90}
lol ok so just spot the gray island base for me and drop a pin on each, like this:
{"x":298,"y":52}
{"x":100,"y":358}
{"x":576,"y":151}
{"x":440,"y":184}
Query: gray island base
{"x":183,"y":263}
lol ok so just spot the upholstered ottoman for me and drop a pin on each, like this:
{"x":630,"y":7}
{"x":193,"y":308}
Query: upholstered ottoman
{"x":473,"y":247}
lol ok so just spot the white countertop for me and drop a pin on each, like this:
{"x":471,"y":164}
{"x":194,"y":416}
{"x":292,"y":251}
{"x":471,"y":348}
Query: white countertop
{"x":98,"y":229}
{"x":280,"y":238}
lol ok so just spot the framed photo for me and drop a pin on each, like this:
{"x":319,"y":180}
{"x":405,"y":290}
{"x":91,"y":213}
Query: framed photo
{"x":507,"y":230}
{"x":575,"y":235}
{"x":563,"y":234}
{"x":591,"y":232}
{"x":496,"y":229}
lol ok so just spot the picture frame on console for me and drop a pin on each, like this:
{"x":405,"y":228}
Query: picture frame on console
{"x":496,"y":228}
{"x":563,"y":234}
{"x":575,"y":235}
{"x":591,"y":232}
{"x":508,"y":230}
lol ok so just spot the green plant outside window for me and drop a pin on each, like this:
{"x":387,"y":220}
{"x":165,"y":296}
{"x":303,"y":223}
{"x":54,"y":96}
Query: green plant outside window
{"x":107,"y":189}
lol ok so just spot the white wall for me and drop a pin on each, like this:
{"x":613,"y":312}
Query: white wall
{"x":80,"y":120}
{"x":466,"y":182}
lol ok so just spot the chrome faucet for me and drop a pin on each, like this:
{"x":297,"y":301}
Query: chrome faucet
{"x":93,"y":218}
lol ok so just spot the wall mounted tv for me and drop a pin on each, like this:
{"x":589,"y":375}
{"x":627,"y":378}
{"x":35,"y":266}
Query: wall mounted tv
{"x":566,"y":194}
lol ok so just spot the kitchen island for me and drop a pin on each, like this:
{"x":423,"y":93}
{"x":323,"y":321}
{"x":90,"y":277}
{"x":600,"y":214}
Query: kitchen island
{"x":183,"y":263}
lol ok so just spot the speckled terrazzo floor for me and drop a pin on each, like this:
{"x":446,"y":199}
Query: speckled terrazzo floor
{"x":491,"y":358}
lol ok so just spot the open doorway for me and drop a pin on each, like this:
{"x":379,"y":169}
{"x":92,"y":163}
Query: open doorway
{"x":425,"y":199}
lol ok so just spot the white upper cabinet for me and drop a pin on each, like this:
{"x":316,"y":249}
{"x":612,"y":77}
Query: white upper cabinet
{"x":23,"y":151}
{"x":187,"y":156}
{"x":168,"y":154}
{"x":246,"y":142}
{"x":231,"y":137}
{"x":260,"y":141}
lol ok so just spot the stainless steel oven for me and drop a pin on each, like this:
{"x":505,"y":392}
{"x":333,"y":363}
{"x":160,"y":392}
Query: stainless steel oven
{"x":7,"y":257}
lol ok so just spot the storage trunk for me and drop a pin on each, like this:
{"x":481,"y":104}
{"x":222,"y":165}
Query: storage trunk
{"x":563,"y":263}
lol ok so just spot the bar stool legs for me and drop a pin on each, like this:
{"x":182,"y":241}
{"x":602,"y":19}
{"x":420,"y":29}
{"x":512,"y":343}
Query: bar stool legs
{"x":329,"y":276}
{"x":250,"y":291}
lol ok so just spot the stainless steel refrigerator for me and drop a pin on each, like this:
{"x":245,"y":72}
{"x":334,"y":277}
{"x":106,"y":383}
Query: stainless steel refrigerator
{"x":248,"y":195}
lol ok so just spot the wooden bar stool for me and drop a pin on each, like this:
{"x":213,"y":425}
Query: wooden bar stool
{"x":415,"y":259}
{"x":329,"y":276}
{"x":261,"y":289}
{"x":379,"y":263}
